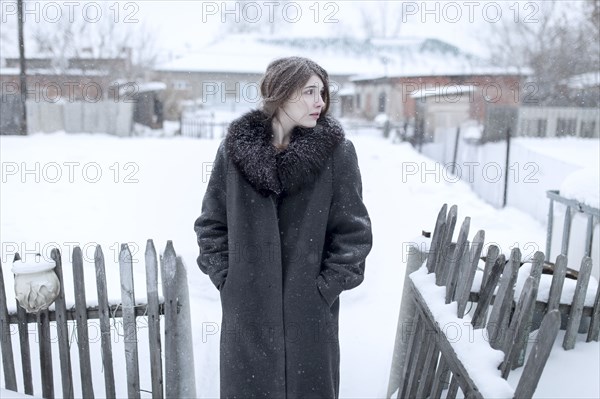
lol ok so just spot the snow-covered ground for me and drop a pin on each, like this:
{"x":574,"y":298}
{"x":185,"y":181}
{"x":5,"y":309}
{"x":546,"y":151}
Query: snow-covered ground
{"x":81,"y":189}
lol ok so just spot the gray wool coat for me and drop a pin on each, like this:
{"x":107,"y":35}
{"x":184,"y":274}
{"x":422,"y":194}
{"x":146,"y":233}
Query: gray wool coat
{"x":281,"y":235}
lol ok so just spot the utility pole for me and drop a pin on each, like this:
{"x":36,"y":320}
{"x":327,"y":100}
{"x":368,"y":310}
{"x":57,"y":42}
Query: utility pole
{"x":23,"y":76}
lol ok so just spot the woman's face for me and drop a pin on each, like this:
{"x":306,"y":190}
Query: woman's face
{"x":305,"y":106}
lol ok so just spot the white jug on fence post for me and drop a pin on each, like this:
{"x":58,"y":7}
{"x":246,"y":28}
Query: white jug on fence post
{"x":36,"y":283}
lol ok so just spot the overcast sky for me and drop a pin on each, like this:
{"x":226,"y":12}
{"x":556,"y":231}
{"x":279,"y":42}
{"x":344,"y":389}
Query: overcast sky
{"x":180,"y":27}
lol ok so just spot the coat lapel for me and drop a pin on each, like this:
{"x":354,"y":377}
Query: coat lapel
{"x":248,"y":144}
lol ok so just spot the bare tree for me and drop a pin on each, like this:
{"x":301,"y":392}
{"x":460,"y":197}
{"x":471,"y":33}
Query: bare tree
{"x":247,"y":16}
{"x":557,"y":44}
{"x":381,"y":19}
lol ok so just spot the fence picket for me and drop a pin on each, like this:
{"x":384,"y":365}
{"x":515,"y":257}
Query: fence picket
{"x":169,"y":278}
{"x":104,"y":318}
{"x":485,"y":296}
{"x":45,"y":348}
{"x":453,"y":388}
{"x":408,"y":358}
{"x":129,"y":322}
{"x":453,"y":268}
{"x":566,"y":236}
{"x":82,"y":325}
{"x":441,"y":271}
{"x":436,"y":239}
{"x":504,"y":300}
{"x":537,"y":264}
{"x":558,"y":279}
{"x":154,"y":320}
{"x":25,"y":350}
{"x":440,"y":377}
{"x":402,"y":344}
{"x":469,"y":272}
{"x":594,"y":329}
{"x":532,"y":371}
{"x":577,"y":305}
{"x":519,"y":329}
{"x":62,"y":327}
{"x":490,"y":259}
{"x":8,"y":362}
{"x":416,"y":354}
{"x":429,"y":368}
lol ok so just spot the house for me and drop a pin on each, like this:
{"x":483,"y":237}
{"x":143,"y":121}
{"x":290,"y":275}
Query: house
{"x":226,"y":74}
{"x":432,"y":84}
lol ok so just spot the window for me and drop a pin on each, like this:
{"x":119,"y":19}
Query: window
{"x":358,"y":101}
{"x":381,"y":105}
{"x":588,"y":129}
{"x":566,"y":127}
{"x":534,"y":127}
{"x":181,"y":85}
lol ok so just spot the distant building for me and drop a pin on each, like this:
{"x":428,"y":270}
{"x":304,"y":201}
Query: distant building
{"x":226,"y":74}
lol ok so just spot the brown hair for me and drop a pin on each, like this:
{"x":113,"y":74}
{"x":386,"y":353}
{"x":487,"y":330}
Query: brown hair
{"x":284,"y":77}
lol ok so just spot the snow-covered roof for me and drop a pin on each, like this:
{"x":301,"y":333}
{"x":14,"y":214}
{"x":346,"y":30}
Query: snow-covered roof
{"x":362,"y":59}
{"x":53,"y":72}
{"x":252,"y":54}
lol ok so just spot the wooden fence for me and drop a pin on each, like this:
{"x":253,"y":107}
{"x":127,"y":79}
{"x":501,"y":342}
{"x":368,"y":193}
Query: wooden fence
{"x":572,"y":207}
{"x":178,"y":378}
{"x":422,"y":368}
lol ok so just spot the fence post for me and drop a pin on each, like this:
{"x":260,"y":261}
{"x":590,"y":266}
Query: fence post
{"x":185,"y":347}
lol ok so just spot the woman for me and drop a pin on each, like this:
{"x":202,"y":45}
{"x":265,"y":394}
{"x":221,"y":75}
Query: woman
{"x":283,"y":231}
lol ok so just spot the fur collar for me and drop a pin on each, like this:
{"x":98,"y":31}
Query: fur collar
{"x":248,"y":144}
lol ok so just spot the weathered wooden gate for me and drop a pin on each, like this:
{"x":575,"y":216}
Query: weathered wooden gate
{"x":178,"y":378}
{"x":426,"y":362}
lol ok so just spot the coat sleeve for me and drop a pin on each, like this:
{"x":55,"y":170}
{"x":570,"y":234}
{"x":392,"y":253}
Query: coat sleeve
{"x":211,"y":226}
{"x":349,"y":237}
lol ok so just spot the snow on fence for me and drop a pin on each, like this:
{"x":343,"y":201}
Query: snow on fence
{"x":442,"y":280}
{"x":178,"y":378}
{"x":574,"y":209}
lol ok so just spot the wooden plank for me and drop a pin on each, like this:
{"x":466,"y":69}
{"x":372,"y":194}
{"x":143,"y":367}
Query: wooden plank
{"x":410,"y":357}
{"x":8,"y":361}
{"x":469,"y":272}
{"x":537,"y":264}
{"x":25,"y":350}
{"x":453,"y":388}
{"x":154,"y":321}
{"x":104,"y":318}
{"x":404,"y":367}
{"x":437,"y":239}
{"x":566,"y":236}
{"x":441,"y":271}
{"x":185,"y":340}
{"x":62,"y":327}
{"x":577,"y":305}
{"x":532,"y":371}
{"x":44,"y":341}
{"x":116,"y":311}
{"x":410,"y":384}
{"x":454,"y":363}
{"x":490,"y":259}
{"x":428,"y":367}
{"x":558,"y":279}
{"x":403,"y":340}
{"x":169,"y":278}
{"x":589,"y":232}
{"x":85,"y":367}
{"x":479,"y":317}
{"x":440,"y":379}
{"x":550,"y":227}
{"x":504,"y":300}
{"x":453,"y":268}
{"x":129,"y":323}
{"x":594,"y":330}
{"x":518,"y":330}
